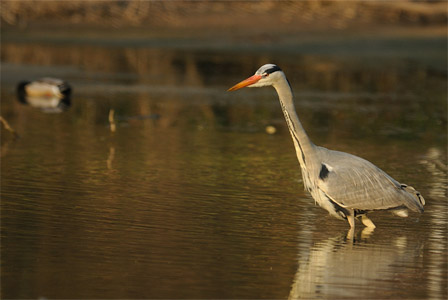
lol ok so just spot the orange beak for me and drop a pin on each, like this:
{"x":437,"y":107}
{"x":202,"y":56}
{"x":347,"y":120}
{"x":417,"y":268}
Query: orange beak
{"x":244,"y":83}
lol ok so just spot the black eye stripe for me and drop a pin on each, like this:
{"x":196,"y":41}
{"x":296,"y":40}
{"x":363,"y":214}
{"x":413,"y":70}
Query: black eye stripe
{"x":272,"y":70}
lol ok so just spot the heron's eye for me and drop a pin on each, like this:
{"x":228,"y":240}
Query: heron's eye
{"x":264,"y":75}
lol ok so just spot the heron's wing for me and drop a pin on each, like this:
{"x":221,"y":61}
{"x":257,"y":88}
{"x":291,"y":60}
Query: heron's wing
{"x":356,"y":183}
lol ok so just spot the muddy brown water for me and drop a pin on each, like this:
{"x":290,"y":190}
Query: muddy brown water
{"x":190,"y":197}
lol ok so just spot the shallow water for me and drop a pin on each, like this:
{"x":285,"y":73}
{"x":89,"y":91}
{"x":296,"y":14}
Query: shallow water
{"x":191,"y":198}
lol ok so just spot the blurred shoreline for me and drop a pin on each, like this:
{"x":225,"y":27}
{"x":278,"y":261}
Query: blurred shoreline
{"x":343,"y":28}
{"x":148,"y":38}
{"x":221,"y":19}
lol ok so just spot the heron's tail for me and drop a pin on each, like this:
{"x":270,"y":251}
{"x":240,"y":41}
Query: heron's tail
{"x":420,"y":201}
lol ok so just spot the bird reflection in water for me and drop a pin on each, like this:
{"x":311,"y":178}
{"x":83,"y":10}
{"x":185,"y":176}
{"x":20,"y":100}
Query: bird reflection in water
{"x":50,"y":95}
{"x":337,"y":267}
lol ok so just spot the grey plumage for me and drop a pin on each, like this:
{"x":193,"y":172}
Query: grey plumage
{"x":356,"y":183}
{"x":346,"y":185}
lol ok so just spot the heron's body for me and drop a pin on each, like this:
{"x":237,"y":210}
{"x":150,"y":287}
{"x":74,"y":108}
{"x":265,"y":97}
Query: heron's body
{"x":346,"y":185}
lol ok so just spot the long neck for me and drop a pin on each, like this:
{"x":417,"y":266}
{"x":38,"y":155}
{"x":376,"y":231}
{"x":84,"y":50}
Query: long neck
{"x":304,"y":147}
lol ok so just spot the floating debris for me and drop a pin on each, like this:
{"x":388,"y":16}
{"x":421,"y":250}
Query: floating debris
{"x":8,"y":127}
{"x":112,"y":124}
{"x":110,"y":158}
{"x":271,"y":129}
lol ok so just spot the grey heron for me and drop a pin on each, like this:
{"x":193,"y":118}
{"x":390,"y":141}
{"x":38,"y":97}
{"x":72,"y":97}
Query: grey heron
{"x":347,"y":186}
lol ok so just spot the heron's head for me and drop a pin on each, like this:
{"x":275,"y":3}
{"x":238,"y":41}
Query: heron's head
{"x":265,"y":76}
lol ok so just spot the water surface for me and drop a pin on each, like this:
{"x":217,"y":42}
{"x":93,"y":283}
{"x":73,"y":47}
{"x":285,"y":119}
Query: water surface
{"x":191,"y":198}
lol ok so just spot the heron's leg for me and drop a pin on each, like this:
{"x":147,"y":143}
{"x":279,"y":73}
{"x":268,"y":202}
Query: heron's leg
{"x":366,"y":232}
{"x":367,"y":222}
{"x":351,"y":220}
{"x":351,"y":234}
